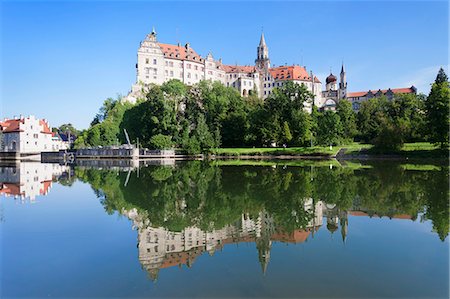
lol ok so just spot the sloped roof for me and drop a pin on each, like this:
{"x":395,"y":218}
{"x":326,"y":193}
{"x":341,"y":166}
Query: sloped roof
{"x":411,"y":89}
{"x":238,"y":68}
{"x":179,"y":52}
{"x":11,"y":125}
{"x":45,"y":127}
{"x":293,"y":72}
{"x":10,"y":189}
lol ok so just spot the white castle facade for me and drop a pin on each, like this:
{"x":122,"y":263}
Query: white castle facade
{"x":158,"y":63}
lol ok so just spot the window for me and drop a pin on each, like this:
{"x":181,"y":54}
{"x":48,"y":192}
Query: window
{"x":189,"y":75}
{"x":196,"y":67}
{"x":167,"y":63}
{"x":188,"y":66}
{"x":196,"y":76}
{"x":146,"y":60}
{"x":154,"y":61}
{"x":167,"y":72}
{"x":171,"y":63}
{"x":171,"y":73}
{"x":147,"y":70}
{"x":210,"y":72}
{"x":155,"y":71}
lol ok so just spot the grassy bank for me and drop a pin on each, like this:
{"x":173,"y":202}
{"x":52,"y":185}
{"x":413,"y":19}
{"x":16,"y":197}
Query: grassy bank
{"x":410,"y":150}
{"x":274,"y":151}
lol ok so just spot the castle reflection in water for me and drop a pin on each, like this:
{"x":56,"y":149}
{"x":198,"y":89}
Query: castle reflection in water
{"x":161,"y":248}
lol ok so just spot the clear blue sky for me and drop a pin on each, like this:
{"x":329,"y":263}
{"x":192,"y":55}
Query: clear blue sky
{"x":60,"y":60}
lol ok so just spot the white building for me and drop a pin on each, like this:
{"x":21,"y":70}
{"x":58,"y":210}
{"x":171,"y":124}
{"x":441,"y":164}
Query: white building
{"x":158,"y":63}
{"x":356,"y":98}
{"x":29,"y":135}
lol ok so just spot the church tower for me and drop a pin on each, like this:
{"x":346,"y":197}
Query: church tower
{"x":262,"y":60}
{"x":343,"y":84}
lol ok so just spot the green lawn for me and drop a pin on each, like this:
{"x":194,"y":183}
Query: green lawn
{"x":418,"y":149}
{"x":277,"y":151}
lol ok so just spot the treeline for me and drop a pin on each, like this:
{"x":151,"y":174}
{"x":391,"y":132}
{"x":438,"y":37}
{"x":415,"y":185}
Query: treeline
{"x":210,"y":115}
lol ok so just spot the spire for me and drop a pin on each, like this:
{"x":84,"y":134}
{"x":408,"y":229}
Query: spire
{"x":262,"y":41}
{"x":342,"y":68}
{"x":153,"y":30}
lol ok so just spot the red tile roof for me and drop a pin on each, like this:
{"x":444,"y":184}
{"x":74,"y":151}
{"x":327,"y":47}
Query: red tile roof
{"x":411,"y":89}
{"x":11,"y":125}
{"x":238,"y":68}
{"x":179,"y":52}
{"x":293,"y":72}
{"x":45,"y":187}
{"x":297,"y":236}
{"x":45,"y":127}
{"x":10,"y":189}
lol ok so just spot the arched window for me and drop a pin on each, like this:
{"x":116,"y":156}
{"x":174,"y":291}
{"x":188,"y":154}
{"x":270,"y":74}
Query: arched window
{"x":13,"y":146}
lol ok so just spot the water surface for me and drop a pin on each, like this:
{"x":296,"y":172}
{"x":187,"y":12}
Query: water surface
{"x":225,"y":229}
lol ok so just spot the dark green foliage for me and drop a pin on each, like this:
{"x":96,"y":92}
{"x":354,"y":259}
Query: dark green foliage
{"x":348,"y":120}
{"x":209,"y":114}
{"x":284,"y":109}
{"x":209,"y":197}
{"x":161,"y":141}
{"x":389,"y":124}
{"x":329,"y":129}
{"x":437,"y":108}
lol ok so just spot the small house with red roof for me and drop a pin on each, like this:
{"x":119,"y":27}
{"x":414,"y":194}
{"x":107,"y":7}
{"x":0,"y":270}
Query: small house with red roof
{"x":28,"y":136}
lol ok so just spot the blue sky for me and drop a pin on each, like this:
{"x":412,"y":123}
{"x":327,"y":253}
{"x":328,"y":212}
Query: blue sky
{"x":60,"y":60}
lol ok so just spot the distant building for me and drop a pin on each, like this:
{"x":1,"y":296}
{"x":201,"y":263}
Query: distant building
{"x":28,"y":135}
{"x":356,"y":98}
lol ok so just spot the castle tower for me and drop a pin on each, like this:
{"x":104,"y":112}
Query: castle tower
{"x":262,"y":60}
{"x":343,"y":84}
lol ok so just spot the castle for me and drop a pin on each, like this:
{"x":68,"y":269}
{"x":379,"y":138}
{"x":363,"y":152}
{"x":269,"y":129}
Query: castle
{"x":158,"y":63}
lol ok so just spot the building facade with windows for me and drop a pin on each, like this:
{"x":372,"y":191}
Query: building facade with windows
{"x":158,"y":63}
{"x":28,"y":135}
{"x":356,"y":98}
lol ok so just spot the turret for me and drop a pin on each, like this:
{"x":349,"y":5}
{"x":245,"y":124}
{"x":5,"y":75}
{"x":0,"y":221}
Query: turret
{"x":343,"y":84}
{"x":152,"y":35}
{"x":262,"y":60}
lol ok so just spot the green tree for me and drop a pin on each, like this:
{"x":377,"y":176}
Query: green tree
{"x":437,"y":110}
{"x":287,"y":136}
{"x":348,"y":120}
{"x":203,"y":135}
{"x":161,"y":141}
{"x":329,"y":128}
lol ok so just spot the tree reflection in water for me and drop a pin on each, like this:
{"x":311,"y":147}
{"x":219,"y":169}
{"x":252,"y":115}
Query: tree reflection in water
{"x":184,"y":210}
